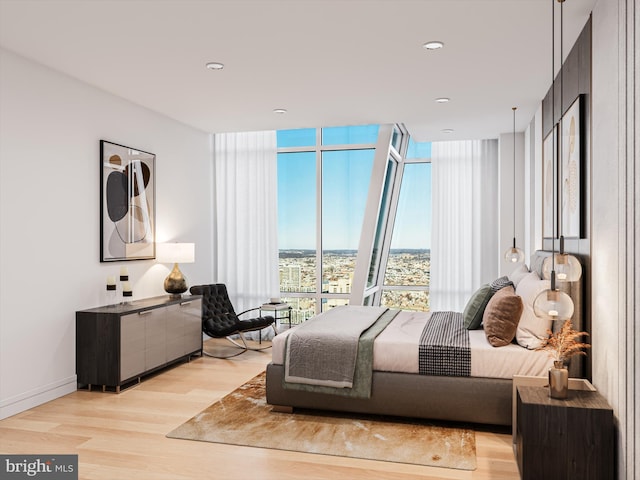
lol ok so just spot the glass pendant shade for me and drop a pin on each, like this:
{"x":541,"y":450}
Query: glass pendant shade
{"x":553,"y":305}
{"x":567,"y":267}
{"x":514,"y":255}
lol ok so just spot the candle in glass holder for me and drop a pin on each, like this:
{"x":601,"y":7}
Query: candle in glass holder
{"x":124,"y":274}
{"x":111,"y":282}
{"x":126,"y":289}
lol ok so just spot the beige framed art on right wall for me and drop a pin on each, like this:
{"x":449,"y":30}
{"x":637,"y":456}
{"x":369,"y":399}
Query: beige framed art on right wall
{"x":571,"y":166}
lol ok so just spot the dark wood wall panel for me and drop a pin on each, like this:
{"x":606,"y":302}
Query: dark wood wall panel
{"x":576,"y":79}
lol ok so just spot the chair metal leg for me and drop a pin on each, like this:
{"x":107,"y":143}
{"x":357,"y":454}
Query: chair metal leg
{"x":253,"y":349}
{"x":207,"y":354}
{"x":243,"y":348}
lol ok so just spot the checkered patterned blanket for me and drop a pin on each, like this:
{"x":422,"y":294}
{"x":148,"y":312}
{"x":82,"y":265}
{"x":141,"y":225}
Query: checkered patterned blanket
{"x":444,"y":346}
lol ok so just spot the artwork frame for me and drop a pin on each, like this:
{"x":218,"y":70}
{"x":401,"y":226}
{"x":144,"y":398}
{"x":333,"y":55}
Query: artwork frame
{"x":127,"y":203}
{"x":549,"y":186}
{"x":571,"y":171}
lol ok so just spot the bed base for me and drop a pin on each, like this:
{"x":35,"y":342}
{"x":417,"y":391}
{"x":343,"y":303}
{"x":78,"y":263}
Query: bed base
{"x":458,"y":399}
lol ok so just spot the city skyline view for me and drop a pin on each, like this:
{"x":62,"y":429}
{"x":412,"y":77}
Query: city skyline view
{"x":298,"y":274}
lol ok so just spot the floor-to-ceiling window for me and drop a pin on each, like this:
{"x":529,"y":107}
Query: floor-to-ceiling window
{"x":326,"y":184}
{"x":323,"y":181}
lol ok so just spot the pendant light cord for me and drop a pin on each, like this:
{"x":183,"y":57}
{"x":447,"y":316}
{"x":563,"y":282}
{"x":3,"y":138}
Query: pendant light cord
{"x":514,"y":176}
{"x":560,"y":147}
{"x":555,"y":143}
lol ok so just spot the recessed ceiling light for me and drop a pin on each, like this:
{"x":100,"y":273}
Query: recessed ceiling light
{"x":433,"y":45}
{"x":447,"y":130}
{"x":215,"y":66}
{"x":442,"y":100}
{"x":280,"y":111}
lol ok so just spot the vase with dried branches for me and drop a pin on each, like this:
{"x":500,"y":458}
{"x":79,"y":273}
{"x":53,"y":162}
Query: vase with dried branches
{"x":561,"y":346}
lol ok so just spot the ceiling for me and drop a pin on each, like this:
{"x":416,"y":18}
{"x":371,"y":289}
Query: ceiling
{"x":328,"y":63}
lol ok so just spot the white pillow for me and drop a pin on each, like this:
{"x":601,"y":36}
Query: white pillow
{"x":531,"y":329}
{"x":518,"y":274}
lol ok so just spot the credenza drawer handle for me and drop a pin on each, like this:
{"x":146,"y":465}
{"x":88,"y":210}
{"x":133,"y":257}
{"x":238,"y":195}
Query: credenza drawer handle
{"x":182,"y":304}
{"x":145,"y":312}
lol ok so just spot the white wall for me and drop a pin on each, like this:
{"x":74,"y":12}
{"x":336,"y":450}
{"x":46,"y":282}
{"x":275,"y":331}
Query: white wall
{"x":50,"y":128}
{"x":614,"y":233}
{"x":533,"y":182}
{"x":605,"y":229}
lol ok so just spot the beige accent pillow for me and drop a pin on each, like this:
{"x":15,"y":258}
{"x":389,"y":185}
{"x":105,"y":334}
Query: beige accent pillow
{"x":518,"y":274}
{"x":501,"y":317}
{"x":531,"y":329}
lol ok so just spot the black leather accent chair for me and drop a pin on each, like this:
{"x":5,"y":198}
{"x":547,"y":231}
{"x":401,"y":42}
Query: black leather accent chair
{"x":219,"y":320}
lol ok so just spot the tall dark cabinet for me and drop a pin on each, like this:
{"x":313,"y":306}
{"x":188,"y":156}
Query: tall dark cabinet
{"x":119,"y":344}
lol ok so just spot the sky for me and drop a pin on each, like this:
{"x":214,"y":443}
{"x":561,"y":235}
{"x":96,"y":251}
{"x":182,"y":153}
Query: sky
{"x":346,"y":177}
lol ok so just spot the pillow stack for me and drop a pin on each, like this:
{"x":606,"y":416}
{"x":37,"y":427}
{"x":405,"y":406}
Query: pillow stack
{"x":476,"y":305}
{"x":505,"y":309}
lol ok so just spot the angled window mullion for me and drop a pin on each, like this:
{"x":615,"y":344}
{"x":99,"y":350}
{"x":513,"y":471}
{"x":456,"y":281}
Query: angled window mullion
{"x":372,"y":212}
{"x":319,"y":255}
{"x":388,"y":234}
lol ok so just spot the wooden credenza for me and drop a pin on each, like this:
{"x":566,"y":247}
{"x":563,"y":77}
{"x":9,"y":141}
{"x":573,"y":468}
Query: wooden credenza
{"x":119,"y":344}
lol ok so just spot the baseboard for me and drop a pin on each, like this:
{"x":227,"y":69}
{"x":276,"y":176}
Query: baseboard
{"x":24,"y":401}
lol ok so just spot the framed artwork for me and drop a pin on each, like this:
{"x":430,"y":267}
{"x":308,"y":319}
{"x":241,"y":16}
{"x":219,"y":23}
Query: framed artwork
{"x":549,"y":187}
{"x":571,"y":171}
{"x":127,"y":203}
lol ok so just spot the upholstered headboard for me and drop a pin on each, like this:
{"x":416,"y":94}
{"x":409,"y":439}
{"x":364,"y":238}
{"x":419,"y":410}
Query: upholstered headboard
{"x":576,"y":291}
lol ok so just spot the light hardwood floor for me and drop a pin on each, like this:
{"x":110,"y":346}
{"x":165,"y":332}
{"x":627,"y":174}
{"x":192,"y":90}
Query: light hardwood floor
{"x":123,"y":436}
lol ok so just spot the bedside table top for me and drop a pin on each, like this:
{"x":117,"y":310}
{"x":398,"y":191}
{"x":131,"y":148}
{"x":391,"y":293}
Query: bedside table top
{"x":274,"y":306}
{"x":575,"y":398}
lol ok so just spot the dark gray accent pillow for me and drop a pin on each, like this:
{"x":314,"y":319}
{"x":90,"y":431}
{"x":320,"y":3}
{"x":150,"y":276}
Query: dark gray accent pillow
{"x":500,"y":283}
{"x":475,"y":307}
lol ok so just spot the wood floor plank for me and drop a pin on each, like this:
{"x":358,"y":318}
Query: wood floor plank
{"x":122,"y":436}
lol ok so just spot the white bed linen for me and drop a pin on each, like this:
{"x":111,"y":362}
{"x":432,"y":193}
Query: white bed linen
{"x":396,"y":350}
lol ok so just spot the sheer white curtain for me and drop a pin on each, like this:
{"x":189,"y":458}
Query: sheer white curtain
{"x":464,"y":237}
{"x":246,"y":226}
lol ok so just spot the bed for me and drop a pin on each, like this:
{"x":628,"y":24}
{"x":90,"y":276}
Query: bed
{"x":398,"y":388}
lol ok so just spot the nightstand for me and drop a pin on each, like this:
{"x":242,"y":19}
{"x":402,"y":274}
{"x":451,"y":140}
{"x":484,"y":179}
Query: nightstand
{"x":564,"y":439}
{"x":280,"y":311}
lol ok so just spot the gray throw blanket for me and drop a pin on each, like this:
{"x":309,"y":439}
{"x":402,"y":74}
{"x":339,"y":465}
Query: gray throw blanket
{"x":363,"y":374}
{"x":444,"y":346}
{"x":323,"y":350}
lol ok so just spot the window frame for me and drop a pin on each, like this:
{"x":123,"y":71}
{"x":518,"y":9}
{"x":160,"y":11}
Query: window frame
{"x":321,"y":298}
{"x":378,"y":222}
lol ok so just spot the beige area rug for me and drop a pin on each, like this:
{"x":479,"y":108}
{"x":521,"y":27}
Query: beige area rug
{"x":244,"y":418}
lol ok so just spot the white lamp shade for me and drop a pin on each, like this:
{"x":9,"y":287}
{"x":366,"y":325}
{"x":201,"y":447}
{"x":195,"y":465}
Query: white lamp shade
{"x":175,"y":252}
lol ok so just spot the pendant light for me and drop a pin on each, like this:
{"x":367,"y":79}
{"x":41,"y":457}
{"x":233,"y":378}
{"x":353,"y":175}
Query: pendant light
{"x":552,"y":304}
{"x":514,"y":254}
{"x":568,"y":268}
